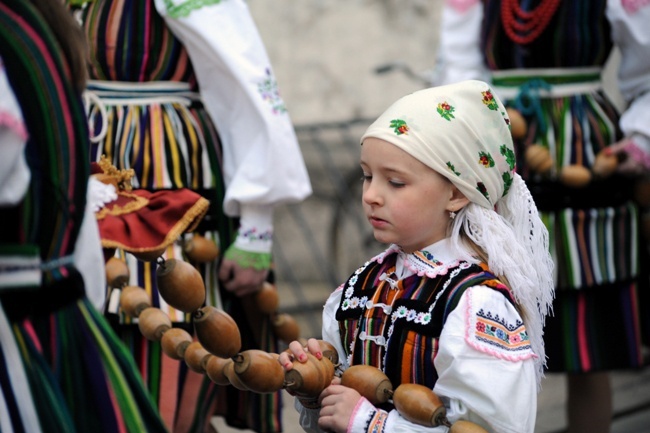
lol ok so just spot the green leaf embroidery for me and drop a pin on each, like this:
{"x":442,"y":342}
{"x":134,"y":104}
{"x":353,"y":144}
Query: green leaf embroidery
{"x":186,"y":7}
{"x":509,"y":154}
{"x":399,"y":126}
{"x":445,"y":110}
{"x":507,"y":182}
{"x":451,"y":167}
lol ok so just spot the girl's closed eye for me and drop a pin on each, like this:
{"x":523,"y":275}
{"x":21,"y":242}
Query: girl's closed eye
{"x":366,"y":177}
{"x":397,"y":183}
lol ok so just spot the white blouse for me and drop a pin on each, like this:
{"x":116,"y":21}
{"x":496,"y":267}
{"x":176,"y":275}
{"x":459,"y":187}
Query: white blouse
{"x":460,"y":57}
{"x":477,"y":381}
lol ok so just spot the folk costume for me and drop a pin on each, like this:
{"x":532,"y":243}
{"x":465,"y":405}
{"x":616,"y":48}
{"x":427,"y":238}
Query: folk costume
{"x":183,"y":93}
{"x":549,"y":67}
{"x":62,"y":368}
{"x":441,"y":316}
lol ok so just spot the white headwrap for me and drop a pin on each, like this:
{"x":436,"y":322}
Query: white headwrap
{"x":462,"y":131}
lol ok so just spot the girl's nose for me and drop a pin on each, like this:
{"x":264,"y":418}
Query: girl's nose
{"x":371,"y":194}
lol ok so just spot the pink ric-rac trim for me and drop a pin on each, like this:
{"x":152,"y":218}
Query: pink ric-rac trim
{"x":471,"y":328}
{"x":354,"y":412}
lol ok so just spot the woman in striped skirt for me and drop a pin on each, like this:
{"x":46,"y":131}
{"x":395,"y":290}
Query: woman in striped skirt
{"x":184,"y":95}
{"x":62,"y":368}
{"x":546,"y":58}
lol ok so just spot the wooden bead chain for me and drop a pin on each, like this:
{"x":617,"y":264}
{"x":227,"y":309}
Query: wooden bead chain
{"x":523,"y":27}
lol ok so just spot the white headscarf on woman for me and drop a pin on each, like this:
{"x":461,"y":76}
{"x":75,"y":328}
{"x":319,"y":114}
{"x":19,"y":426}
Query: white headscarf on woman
{"x":462,"y":131}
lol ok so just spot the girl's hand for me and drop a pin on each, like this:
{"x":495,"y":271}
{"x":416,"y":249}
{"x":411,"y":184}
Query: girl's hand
{"x":338,"y":403}
{"x":298,"y":352}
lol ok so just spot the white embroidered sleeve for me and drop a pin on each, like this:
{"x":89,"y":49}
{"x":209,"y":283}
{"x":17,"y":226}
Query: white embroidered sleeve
{"x":262,"y":161}
{"x":629,"y":21}
{"x":485,"y":366}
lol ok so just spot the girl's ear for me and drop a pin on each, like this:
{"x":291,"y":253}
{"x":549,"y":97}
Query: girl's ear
{"x":457,"y":201}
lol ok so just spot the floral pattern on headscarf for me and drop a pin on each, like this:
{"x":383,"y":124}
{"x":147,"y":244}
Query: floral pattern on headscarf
{"x":460,"y":130}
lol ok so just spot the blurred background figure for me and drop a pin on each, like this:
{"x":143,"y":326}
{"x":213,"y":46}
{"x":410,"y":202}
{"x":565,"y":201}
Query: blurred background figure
{"x":183,"y":94}
{"x":62,"y":368}
{"x":581,"y":162}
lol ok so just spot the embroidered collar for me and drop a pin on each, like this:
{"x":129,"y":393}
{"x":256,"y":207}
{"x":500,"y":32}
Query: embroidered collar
{"x":431,"y":261}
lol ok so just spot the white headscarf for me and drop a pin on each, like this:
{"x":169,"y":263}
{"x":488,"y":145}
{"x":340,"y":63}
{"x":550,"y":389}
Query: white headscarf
{"x":462,"y":131}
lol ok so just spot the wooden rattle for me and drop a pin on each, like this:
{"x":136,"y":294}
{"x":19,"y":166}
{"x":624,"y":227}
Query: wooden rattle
{"x":259,"y":371}
{"x":180,"y":285}
{"x":285,"y":327}
{"x":199,"y":249}
{"x":309,"y":379}
{"x":217,"y":331}
{"x":369,"y":381}
{"x":267,"y":299}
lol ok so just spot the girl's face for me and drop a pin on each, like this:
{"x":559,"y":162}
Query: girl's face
{"x":406,"y":202}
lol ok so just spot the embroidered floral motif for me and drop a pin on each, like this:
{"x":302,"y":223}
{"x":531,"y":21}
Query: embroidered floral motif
{"x":485,"y":159}
{"x":269,"y":91}
{"x":377,"y":421}
{"x":451,"y":167}
{"x":178,"y":9}
{"x":495,"y":331}
{"x":507,"y":182}
{"x":446,"y":111}
{"x":253,"y":235}
{"x":510,"y":156}
{"x":480,"y":186}
{"x":420,"y":317}
{"x":488,"y":100}
{"x":399,"y":126}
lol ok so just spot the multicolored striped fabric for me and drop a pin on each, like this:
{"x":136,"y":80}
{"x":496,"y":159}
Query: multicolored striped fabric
{"x":129,"y":41}
{"x":395,"y":324}
{"x":80,"y":377}
{"x":595,"y":236}
{"x":149,"y":117}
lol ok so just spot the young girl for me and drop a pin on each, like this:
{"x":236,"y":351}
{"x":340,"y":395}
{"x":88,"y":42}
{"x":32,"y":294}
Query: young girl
{"x":457,"y":301}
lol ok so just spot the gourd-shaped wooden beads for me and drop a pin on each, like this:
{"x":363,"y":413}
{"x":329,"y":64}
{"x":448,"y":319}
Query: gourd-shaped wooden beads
{"x":153,"y":323}
{"x":369,"y":381}
{"x":199,"y":249}
{"x":217,"y":331}
{"x":518,"y":124}
{"x":267,"y":299}
{"x":418,"y":404}
{"x":134,"y":300}
{"x":285,"y":327}
{"x":259,"y":371}
{"x":180,"y":284}
{"x":309,"y":379}
{"x":174,"y":343}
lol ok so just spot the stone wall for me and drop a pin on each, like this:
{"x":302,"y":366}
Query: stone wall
{"x":324,"y":52}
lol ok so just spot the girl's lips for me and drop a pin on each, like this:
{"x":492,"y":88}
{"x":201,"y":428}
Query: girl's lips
{"x":377,"y":222}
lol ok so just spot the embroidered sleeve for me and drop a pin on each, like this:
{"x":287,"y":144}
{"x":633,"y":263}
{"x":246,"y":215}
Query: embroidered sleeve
{"x":367,"y":418}
{"x":494,"y":326}
{"x":478,"y":372}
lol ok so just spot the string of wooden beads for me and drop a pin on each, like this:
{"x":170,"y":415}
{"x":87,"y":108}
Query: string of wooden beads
{"x":539,"y":160}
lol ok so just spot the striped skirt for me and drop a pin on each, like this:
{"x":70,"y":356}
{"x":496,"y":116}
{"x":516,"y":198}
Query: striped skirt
{"x":162,"y":132}
{"x":594,"y":230}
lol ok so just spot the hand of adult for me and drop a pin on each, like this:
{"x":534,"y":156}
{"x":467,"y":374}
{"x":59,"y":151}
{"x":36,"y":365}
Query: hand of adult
{"x":633,"y":161}
{"x":241,"y":281}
